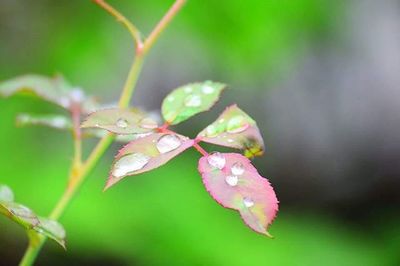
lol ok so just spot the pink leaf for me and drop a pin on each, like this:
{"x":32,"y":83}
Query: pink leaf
{"x":234,"y":129}
{"x":147,"y":153}
{"x":234,"y":183}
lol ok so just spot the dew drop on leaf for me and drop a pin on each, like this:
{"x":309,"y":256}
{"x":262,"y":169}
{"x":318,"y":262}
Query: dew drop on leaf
{"x":122,"y":123}
{"x":248,"y":202}
{"x":148,"y":123}
{"x":193,"y":100}
{"x":231,"y":180}
{"x":237,"y":169}
{"x":211,"y":131}
{"x":217,"y":160}
{"x":188,"y":89}
{"x":207,"y":89}
{"x":237,"y":124}
{"x":168,"y":143}
{"x":130,"y":163}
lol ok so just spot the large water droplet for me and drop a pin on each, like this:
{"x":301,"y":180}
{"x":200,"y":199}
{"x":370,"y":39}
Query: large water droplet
{"x":217,"y":160}
{"x":168,"y":143}
{"x":237,"y":124}
{"x":193,"y":100}
{"x":148,"y":123}
{"x":130,"y":163}
{"x":207,"y":89}
{"x":231,"y":180}
{"x":248,"y":202}
{"x":237,"y":168}
{"x":122,"y":123}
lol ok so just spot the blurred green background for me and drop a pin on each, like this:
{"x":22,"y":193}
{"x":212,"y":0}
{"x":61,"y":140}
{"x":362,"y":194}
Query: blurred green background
{"x":321,"y":79}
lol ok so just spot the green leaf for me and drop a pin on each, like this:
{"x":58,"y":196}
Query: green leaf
{"x":54,"y":121}
{"x":26,"y":218}
{"x":120,"y":121}
{"x":189,"y":100}
{"x":55,"y":90}
{"x":19,"y":214}
{"x":52,"y":229}
{"x":234,"y":129}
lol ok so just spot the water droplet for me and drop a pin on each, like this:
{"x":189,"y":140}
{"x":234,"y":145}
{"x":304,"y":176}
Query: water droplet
{"x":207,"y":89}
{"x":77,"y":95}
{"x":170,"y":98}
{"x":231,"y":180}
{"x":248,"y":202}
{"x":237,"y":168}
{"x":222,"y":120}
{"x":211,"y":131}
{"x":193,"y":101}
{"x":188,"y":89}
{"x":148,"y":123}
{"x":130,"y":163}
{"x":122,"y":123}
{"x":6,"y":194}
{"x":168,"y":143}
{"x":230,"y":140}
{"x":217,"y":160}
{"x":237,"y":124}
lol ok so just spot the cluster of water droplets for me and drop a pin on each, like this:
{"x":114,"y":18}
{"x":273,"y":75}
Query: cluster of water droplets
{"x":130,"y":163}
{"x":237,"y":170}
{"x":168,"y":142}
{"x":217,"y":160}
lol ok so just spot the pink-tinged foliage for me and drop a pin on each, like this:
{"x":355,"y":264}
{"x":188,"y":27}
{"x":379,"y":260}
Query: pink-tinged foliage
{"x":120,"y":121}
{"x":234,"y":183}
{"x":147,"y":153}
{"x":234,"y":129}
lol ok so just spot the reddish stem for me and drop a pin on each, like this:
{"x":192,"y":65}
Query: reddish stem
{"x":200,"y":149}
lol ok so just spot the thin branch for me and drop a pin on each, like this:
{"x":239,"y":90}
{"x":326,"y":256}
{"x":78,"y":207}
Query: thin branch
{"x":135,"y":33}
{"x":159,"y":28}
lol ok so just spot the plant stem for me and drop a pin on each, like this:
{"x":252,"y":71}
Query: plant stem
{"x":135,"y":33}
{"x":79,"y":174}
{"x":161,"y":25}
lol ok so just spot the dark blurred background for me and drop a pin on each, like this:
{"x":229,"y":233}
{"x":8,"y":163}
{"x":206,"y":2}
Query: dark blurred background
{"x":321,"y":78}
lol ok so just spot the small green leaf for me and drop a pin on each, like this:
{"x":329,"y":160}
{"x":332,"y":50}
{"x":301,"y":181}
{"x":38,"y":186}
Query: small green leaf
{"x":54,"y":121}
{"x":234,"y":129}
{"x":120,"y":121}
{"x":52,"y":229}
{"x":55,"y":90}
{"x":189,"y":100}
{"x":19,"y":214}
{"x":25,"y":217}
